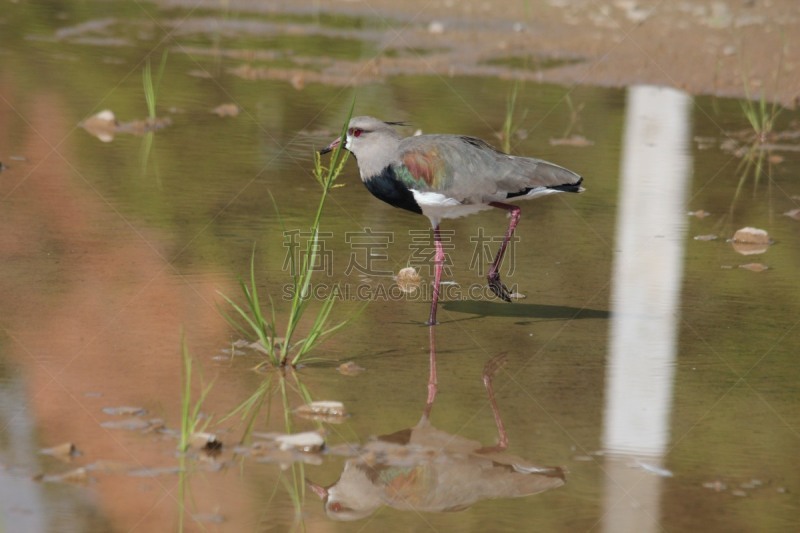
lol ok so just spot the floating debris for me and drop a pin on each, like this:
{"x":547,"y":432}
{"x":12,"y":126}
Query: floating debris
{"x":655,"y":469}
{"x":752,"y":484}
{"x":104,"y":125}
{"x":307,"y":442}
{"x":573,"y":140}
{"x":699,"y":214}
{"x":794,"y":213}
{"x":131,"y":424}
{"x":436,"y":27}
{"x":226,"y":110}
{"x":754,"y":267}
{"x":209,"y":518}
{"x":709,"y":237}
{"x":716,"y":485}
{"x":206,"y":442}
{"x":77,"y":475}
{"x":750,"y":241}
{"x":350,"y":369}
{"x":155,"y":471}
{"x":325,"y":411}
{"x":124,"y":410}
{"x":103,"y":465}
{"x":65,"y":451}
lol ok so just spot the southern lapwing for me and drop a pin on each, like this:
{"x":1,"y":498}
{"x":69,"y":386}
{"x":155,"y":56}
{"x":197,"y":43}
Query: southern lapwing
{"x":449,"y":176}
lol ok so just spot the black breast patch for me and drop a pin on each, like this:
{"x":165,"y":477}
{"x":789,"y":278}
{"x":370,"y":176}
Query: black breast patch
{"x":388,"y":188}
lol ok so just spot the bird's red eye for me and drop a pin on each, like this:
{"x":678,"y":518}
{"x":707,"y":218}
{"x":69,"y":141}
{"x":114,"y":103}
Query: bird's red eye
{"x":355,"y":132}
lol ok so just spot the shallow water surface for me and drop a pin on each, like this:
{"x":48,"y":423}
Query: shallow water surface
{"x":647,"y":381}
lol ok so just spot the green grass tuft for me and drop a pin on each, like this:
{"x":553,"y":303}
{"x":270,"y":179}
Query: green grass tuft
{"x":250,"y":319}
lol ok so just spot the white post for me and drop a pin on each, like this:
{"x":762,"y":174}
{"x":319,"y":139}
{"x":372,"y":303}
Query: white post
{"x":648,"y":273}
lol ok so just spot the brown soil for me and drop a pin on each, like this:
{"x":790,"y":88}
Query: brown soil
{"x":700,"y":46}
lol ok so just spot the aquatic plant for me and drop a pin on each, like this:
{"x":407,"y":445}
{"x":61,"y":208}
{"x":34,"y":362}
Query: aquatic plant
{"x":191,"y":423}
{"x":250,"y":319}
{"x":762,"y":117}
{"x":151,"y":87}
{"x":191,"y":420}
{"x":510,"y":126}
{"x":150,"y":95}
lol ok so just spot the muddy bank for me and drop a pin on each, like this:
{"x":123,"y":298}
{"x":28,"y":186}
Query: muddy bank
{"x":700,"y":46}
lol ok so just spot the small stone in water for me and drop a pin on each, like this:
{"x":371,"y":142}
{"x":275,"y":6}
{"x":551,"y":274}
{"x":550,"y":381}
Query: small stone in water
{"x":350,"y":369}
{"x":750,"y":241}
{"x":794,"y":213}
{"x":207,"y":442}
{"x":408,"y":279}
{"x":754,"y":267}
{"x":309,"y":441}
{"x":226,"y":110}
{"x":124,"y":410}
{"x":716,"y":485}
{"x":751,"y":236}
{"x":65,"y":451}
{"x":327,"y":411}
{"x":705,"y":237}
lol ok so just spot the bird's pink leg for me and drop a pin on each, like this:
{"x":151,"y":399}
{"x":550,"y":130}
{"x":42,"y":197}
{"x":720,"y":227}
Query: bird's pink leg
{"x":437,"y":277}
{"x":494,"y":271}
{"x":489,"y":370}
{"x":432,"y":382}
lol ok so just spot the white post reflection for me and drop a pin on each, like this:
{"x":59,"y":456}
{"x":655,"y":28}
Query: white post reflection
{"x":648,"y":270}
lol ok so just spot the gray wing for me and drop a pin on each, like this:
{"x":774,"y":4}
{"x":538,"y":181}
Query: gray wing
{"x":470,"y":170}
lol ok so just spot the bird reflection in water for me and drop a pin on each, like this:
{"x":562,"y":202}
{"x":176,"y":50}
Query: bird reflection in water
{"x":425,"y":469}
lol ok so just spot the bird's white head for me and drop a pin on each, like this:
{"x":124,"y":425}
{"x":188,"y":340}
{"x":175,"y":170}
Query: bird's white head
{"x":373,"y":142}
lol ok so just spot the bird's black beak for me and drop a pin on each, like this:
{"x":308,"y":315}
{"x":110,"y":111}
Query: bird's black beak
{"x":331,"y":147}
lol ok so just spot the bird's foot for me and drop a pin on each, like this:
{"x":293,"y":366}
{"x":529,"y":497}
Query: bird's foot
{"x":500,"y":290}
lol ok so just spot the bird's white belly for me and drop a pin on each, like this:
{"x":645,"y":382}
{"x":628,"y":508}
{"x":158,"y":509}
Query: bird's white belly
{"x":437,"y":206}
